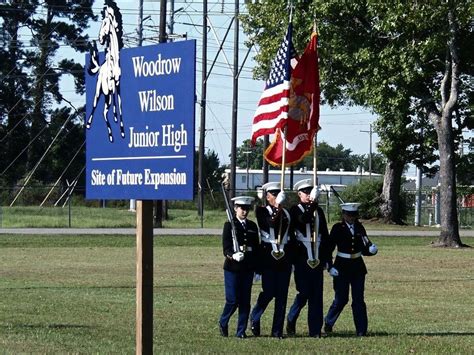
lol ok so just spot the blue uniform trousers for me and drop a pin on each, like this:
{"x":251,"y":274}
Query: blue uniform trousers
{"x":238,"y":289}
{"x":275,"y":284}
{"x":359,"y":309}
{"x":309,"y":284}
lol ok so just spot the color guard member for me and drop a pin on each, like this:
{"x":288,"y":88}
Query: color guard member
{"x":239,"y":265}
{"x":274,"y":259}
{"x":349,"y":269}
{"x":310,"y":257}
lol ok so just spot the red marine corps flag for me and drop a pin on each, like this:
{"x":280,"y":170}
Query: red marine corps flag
{"x":303,"y":115}
{"x":272,"y":110}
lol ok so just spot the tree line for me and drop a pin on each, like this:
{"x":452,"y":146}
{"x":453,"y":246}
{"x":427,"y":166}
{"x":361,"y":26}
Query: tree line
{"x":328,"y":158}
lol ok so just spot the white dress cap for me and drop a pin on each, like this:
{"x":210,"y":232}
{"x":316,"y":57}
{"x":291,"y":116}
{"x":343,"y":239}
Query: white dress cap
{"x":303,"y":184}
{"x":350,"y":206}
{"x":270,"y":186}
{"x":243,"y":200}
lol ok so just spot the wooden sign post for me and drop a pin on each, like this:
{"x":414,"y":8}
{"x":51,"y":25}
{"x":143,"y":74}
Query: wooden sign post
{"x":144,"y":325}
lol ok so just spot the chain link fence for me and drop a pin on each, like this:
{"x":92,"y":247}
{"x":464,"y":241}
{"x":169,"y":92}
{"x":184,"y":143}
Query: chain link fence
{"x":62,"y":203}
{"x":430,"y":212}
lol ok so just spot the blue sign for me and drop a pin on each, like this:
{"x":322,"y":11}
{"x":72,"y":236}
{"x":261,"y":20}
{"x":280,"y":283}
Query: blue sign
{"x":140,"y":122}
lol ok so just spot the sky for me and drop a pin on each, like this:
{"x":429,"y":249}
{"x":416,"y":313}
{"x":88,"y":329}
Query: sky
{"x":339,"y":126}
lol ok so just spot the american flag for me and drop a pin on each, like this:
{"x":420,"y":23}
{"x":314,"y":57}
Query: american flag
{"x":303,"y":115}
{"x":272,"y":110}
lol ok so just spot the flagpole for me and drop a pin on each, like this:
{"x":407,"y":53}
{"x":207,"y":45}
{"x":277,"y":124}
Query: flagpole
{"x":283,"y":154}
{"x":315,"y":179}
{"x":283,"y":160}
{"x":315,"y":170}
{"x":291,"y":6}
{"x":282,"y":181}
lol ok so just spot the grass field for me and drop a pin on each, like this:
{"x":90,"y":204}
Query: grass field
{"x":76,"y":294}
{"x":93,"y":217}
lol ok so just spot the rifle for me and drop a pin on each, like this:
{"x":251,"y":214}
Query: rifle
{"x":315,"y":236}
{"x":315,"y":243}
{"x":230,"y":218}
{"x":337,"y":194}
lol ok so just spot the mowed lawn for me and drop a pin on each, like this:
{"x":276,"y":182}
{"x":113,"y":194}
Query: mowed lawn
{"x":76,"y":294}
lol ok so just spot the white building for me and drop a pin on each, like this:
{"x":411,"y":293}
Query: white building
{"x":253,"y":178}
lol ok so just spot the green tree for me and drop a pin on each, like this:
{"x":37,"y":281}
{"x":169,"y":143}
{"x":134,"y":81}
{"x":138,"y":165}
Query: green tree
{"x":362,"y":161}
{"x":14,"y":86}
{"x":332,"y":158}
{"x":367,"y":193}
{"x":212,"y":170}
{"x":248,"y":155}
{"x":54,"y":23}
{"x":398,"y":59}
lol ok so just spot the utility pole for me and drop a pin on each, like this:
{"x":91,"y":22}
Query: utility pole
{"x":144,"y":258}
{"x":418,"y":186}
{"x":418,"y":197}
{"x":133,"y":204}
{"x":164,"y":207}
{"x":370,"y":149}
{"x":247,"y":152}
{"x":162,"y":39}
{"x":171,"y":23}
{"x":202,"y":127}
{"x":235,"y":98}
{"x":140,"y":23}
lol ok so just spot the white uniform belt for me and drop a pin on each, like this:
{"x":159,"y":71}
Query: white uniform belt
{"x":245,"y":248}
{"x":269,"y":241}
{"x":349,"y":256}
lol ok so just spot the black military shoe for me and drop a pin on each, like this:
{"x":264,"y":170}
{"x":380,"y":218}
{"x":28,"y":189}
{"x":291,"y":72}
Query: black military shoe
{"x":255,"y":328}
{"x":242,"y":336}
{"x":317,"y":335}
{"x":361,"y":334}
{"x":327,"y":328}
{"x":224,"y":330}
{"x":277,"y":335}
{"x":290,"y":327}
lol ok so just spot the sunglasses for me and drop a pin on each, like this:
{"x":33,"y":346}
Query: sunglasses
{"x":351,"y":213}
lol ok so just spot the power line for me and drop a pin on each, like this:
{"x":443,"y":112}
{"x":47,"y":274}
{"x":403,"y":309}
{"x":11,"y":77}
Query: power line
{"x":24,"y":149}
{"x":63,"y":172}
{"x":30,"y":175}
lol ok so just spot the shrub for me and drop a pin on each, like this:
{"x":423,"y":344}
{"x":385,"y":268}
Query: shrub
{"x":367,"y":193}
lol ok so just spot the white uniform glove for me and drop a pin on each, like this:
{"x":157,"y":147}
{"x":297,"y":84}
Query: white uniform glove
{"x":333,"y":272}
{"x":314,"y":194}
{"x":280,"y":197}
{"x":257,"y":277}
{"x":239,"y":256}
{"x":373,"y":249}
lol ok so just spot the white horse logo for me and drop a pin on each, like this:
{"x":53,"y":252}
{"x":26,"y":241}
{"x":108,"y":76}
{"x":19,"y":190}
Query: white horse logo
{"x":108,"y":78}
